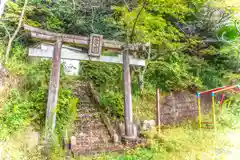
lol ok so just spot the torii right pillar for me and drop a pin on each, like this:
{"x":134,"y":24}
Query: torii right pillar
{"x":128,"y":114}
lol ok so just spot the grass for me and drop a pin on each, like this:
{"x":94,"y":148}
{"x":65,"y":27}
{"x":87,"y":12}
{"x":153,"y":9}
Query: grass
{"x":177,"y":143}
{"x":144,"y":105}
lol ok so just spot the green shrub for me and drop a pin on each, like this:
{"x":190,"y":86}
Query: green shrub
{"x":112,"y":103}
{"x":66,"y":110}
{"x":27,"y":104}
{"x":102,"y":74}
{"x":17,"y":113}
{"x":178,"y":71}
{"x":19,"y":52}
{"x":171,"y":73}
{"x":230,"y":116}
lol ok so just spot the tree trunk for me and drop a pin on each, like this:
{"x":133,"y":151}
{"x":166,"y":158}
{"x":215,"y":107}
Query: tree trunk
{"x":16,"y":31}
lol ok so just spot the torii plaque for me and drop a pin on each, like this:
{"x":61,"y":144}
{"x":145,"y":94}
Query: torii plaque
{"x":95,"y":45}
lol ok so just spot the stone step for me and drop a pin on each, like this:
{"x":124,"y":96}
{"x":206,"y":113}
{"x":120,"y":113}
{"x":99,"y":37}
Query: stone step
{"x":103,"y":134}
{"x":81,"y":84}
{"x":88,"y":144}
{"x":88,"y":115}
{"x":80,"y":87}
{"x":92,"y":129}
{"x":79,"y":151}
{"x":81,"y":92}
{"x":85,"y":101}
{"x":84,"y":122}
{"x":89,"y":130}
{"x":89,"y":137}
{"x":89,"y":125}
{"x":86,"y":109}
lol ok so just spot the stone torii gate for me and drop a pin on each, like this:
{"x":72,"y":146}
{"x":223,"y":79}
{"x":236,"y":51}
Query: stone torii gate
{"x":95,"y":44}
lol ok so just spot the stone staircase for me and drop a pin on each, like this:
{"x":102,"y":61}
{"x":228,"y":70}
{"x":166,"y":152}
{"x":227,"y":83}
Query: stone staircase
{"x":90,"y":132}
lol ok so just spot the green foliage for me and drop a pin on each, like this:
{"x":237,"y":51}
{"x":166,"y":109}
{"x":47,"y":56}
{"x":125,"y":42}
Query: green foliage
{"x":53,"y":23}
{"x":228,"y":33}
{"x":181,"y":61}
{"x":207,"y":73}
{"x":17,"y":113}
{"x":176,"y":143}
{"x":66,"y":110}
{"x":112,"y":103}
{"x":18,"y":51}
{"x":153,"y":23}
{"x":37,"y":83}
{"x":38,"y":75}
{"x":102,"y":74}
{"x":178,"y":71}
{"x":229,"y":118}
{"x":27,"y":105}
{"x":171,"y":73}
{"x":144,"y":104}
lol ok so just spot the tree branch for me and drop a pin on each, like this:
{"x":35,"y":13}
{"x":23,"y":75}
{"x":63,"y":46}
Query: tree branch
{"x":6,"y":30}
{"x":74,"y":5}
{"x":93,"y":17}
{"x":127,"y":5}
{"x":141,"y":75}
{"x":135,"y":22}
{"x":16,"y":31}
{"x":223,"y":18}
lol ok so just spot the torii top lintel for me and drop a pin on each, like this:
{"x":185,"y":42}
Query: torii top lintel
{"x":76,"y":39}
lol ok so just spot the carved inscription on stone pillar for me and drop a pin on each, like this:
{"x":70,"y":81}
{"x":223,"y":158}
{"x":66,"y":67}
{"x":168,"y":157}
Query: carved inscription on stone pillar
{"x":95,"y":45}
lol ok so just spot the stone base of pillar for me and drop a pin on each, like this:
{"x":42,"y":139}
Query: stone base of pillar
{"x":129,"y":139}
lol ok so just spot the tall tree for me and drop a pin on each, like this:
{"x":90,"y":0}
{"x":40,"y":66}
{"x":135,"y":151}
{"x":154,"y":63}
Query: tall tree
{"x":10,"y":41}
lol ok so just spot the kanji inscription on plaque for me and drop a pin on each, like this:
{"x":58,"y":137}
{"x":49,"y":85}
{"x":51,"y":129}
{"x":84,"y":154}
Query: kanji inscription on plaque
{"x":95,"y":45}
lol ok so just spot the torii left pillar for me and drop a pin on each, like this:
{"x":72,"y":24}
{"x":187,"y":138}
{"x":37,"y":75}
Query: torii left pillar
{"x":53,"y":91}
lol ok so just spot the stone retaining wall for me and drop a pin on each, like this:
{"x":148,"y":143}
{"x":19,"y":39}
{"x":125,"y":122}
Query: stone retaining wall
{"x":180,"y":106}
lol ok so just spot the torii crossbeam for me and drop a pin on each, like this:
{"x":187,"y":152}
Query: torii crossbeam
{"x":71,"y":53}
